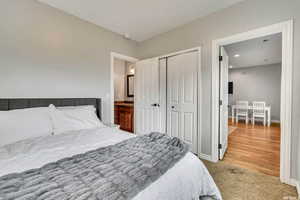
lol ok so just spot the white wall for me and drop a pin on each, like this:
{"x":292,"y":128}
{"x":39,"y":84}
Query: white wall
{"x":119,"y":79}
{"x":47,"y":53}
{"x":242,"y":17}
{"x":259,"y":83}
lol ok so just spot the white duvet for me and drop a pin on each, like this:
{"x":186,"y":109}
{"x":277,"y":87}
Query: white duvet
{"x":186,"y":180}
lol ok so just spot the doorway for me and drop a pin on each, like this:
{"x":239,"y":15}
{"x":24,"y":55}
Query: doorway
{"x":284,"y":28}
{"x":250,"y":87}
{"x":122,"y":76}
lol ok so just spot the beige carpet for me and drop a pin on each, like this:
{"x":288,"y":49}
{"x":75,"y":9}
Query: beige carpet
{"x":241,"y":184}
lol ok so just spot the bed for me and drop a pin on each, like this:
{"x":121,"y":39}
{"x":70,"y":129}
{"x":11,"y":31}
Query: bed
{"x":187,"y":179}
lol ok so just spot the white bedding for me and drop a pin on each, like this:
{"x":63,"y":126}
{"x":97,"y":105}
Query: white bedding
{"x":186,"y":180}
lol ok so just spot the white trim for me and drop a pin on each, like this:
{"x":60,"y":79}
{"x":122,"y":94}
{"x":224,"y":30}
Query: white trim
{"x":113,"y":56}
{"x":275,"y":121}
{"x":295,"y":183}
{"x":298,"y":187}
{"x":272,"y":121}
{"x":181,"y":52}
{"x":200,"y":102}
{"x":286,"y":28}
{"x":205,"y":157}
{"x":199,"y":134}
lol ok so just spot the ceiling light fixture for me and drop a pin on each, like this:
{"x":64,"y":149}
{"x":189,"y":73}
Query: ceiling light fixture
{"x":237,"y":55}
{"x":126,"y":36}
{"x":230,"y":67}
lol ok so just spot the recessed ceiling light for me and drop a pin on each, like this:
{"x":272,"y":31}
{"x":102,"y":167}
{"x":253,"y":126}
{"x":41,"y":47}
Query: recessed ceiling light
{"x":126,"y":36}
{"x":230,"y":66}
{"x":237,"y":55}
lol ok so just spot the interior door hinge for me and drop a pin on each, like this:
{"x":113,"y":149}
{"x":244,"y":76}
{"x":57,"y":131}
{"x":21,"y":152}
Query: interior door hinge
{"x":220,"y":102}
{"x":220,"y":146}
{"x":220,"y":58}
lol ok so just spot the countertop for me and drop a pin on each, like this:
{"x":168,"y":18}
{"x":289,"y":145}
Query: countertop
{"x":124,"y":104}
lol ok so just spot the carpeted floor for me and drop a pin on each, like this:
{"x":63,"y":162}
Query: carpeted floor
{"x":241,"y":184}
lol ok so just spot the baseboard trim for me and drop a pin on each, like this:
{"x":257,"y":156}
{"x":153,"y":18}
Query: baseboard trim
{"x":275,"y":121}
{"x":260,"y":120}
{"x":205,"y":157}
{"x":298,"y":188}
{"x":295,"y":183}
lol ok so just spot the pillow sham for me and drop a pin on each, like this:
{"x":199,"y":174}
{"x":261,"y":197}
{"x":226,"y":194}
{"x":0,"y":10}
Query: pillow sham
{"x":73,"y":119}
{"x":16,"y":125}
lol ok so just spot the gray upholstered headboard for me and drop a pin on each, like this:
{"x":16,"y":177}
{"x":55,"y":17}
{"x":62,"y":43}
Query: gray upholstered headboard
{"x":11,"y":104}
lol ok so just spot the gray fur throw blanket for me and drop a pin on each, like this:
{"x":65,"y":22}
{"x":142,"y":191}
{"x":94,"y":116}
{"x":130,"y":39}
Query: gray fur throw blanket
{"x":115,"y":172}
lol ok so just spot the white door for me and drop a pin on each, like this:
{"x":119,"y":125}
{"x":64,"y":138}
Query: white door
{"x":163,"y":93}
{"x":146,"y":102}
{"x":182,"y":71}
{"x":223,"y":141}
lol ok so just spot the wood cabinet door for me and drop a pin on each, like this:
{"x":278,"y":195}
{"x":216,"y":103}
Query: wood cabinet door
{"x":117,"y":116}
{"x":126,"y":120}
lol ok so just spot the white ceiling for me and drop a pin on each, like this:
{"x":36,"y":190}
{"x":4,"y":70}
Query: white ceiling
{"x":256,"y":52}
{"x":140,"y":19}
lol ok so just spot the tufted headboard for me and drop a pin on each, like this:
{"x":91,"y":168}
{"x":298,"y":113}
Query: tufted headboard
{"x":11,"y":104}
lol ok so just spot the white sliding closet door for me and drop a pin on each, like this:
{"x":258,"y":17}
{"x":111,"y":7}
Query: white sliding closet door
{"x":182,"y":72}
{"x":147,"y":98}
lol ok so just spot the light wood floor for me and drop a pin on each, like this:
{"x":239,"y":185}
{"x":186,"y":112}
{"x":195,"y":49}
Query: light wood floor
{"x":254,"y":147}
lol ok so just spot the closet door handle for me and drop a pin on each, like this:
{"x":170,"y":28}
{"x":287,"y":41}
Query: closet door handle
{"x":155,"y":105}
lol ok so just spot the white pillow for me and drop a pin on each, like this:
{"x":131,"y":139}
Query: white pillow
{"x":16,"y":125}
{"x":74,"y":119}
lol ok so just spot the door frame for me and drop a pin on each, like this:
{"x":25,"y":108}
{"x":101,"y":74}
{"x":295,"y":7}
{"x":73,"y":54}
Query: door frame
{"x":199,"y":93}
{"x":286,"y":28}
{"x":113,"y":56}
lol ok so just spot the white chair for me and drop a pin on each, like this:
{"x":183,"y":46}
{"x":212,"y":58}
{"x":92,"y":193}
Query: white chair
{"x":242,"y":110}
{"x":259,"y":111}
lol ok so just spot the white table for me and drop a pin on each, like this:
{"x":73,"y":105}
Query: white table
{"x":267,"y":109}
